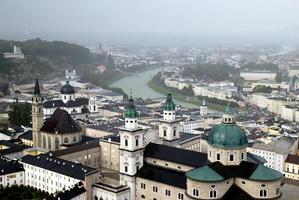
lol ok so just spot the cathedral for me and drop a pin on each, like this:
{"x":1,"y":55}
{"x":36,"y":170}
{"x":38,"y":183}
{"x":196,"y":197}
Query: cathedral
{"x":77,"y":107}
{"x":57,"y":131}
{"x":165,"y":171}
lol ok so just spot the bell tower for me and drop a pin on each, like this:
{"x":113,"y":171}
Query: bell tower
{"x":37,"y":115}
{"x":131,"y":148}
{"x":169,"y":125}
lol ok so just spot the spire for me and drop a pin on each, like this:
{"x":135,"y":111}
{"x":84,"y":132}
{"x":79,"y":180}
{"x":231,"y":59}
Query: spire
{"x":228,"y":109}
{"x":36,"y":87}
{"x":228,"y":117}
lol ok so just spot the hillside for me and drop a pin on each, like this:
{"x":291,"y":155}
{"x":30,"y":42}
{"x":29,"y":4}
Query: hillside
{"x":48,"y":58}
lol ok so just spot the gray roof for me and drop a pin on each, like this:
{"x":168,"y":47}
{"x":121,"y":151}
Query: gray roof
{"x":281,"y":145}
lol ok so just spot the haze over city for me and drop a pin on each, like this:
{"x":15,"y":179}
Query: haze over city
{"x":152,"y":21}
{"x":149,"y":99}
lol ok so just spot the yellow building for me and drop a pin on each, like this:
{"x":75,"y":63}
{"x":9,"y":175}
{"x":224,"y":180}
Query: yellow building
{"x":292,"y":167}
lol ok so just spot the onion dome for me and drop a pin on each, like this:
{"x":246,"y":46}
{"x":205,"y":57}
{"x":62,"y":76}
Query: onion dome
{"x":130,"y":111}
{"x":169,"y":105}
{"x":228,"y":134}
{"x":67,"y":89}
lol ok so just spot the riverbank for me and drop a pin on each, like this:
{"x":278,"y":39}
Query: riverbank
{"x":191,"y":100}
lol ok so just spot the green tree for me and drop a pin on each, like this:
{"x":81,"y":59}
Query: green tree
{"x":20,"y":114}
{"x":262,"y":89}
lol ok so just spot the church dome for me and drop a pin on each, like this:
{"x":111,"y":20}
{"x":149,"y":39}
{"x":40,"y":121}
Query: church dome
{"x":67,"y":89}
{"x":130,"y":111}
{"x":169,"y":105}
{"x":227,"y":134}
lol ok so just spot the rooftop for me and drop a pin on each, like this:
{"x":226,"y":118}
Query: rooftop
{"x":176,"y":155}
{"x":292,"y":159}
{"x":9,"y":166}
{"x":58,"y":165}
{"x":60,"y":122}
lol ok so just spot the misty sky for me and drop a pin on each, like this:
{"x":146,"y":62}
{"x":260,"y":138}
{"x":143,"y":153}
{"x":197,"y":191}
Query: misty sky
{"x":149,"y":16}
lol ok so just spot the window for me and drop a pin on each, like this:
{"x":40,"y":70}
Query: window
{"x":195,"y":192}
{"x":263,"y":193}
{"x":218,"y":156}
{"x":66,"y":140}
{"x":137,"y":142}
{"x":164,"y":133}
{"x":74,"y":139}
{"x":213,"y":194}
{"x":49,"y":143}
{"x":142,"y":196}
{"x":277,"y":191}
{"x":155,"y":189}
{"x":242,"y":156}
{"x":231,"y":157}
{"x":142,"y":185}
{"x":174,"y":133}
{"x":167,"y":192}
{"x":126,"y":168}
{"x":56,"y":143}
{"x":126,"y":142}
{"x":95,"y":198}
{"x":210,"y":153}
{"x":181,"y":196}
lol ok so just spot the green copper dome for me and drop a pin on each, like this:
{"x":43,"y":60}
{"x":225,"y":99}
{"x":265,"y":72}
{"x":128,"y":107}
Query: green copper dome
{"x":169,"y":105}
{"x":130,"y":111}
{"x":227,"y":136}
{"x":204,"y":174}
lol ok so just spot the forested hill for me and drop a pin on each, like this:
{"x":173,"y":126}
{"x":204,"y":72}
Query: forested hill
{"x":48,"y":58}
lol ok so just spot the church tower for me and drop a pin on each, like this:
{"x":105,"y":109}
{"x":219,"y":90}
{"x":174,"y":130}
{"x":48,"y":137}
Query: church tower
{"x":169,"y":125}
{"x":37,"y":115}
{"x":131,"y":148}
{"x":203,"y":108}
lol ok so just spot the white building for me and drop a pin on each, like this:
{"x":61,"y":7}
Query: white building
{"x":11,"y":173}
{"x":257,"y":75}
{"x":110,"y":189}
{"x":77,"y":107}
{"x":17,"y":54}
{"x":52,"y":175}
{"x":71,"y":74}
{"x":275,"y":152}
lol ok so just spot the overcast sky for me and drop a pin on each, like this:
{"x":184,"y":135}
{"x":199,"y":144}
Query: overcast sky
{"x":149,"y":16}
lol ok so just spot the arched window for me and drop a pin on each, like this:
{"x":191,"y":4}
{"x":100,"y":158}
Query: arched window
{"x":44,"y":142}
{"x":174,"y":133}
{"x":213,"y":194}
{"x":56,"y":143}
{"x":231,"y":157}
{"x":126,"y":142}
{"x":49,"y":142}
{"x":142,"y":196}
{"x":96,"y":198}
{"x":66,"y":140}
{"x":263,"y":193}
{"x":195,"y":192}
{"x":218,"y":156}
{"x":74,"y":139}
{"x":164,"y":132}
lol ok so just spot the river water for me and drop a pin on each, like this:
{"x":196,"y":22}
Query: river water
{"x":138,"y":84}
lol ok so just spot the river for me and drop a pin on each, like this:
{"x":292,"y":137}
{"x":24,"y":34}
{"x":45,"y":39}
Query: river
{"x":138,"y":83}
